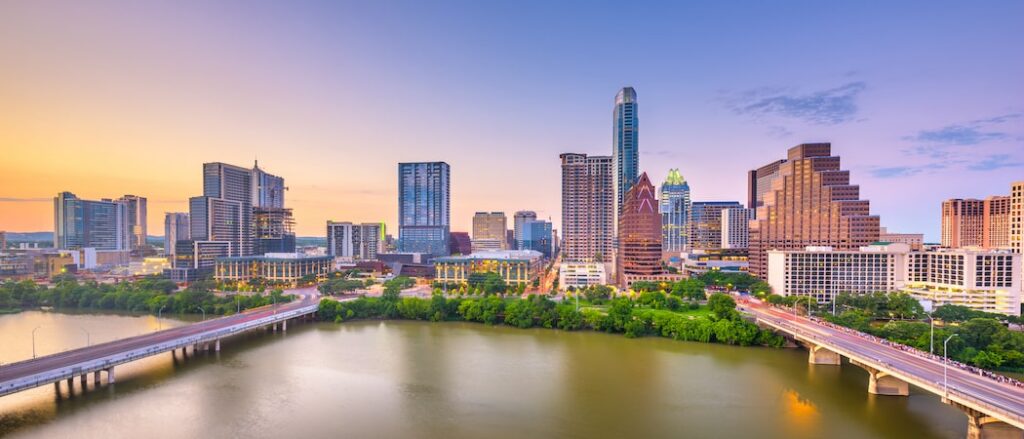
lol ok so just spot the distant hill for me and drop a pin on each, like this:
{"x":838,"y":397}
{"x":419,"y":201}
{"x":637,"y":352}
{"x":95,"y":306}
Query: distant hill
{"x":152,"y":240}
{"x":30,"y":236}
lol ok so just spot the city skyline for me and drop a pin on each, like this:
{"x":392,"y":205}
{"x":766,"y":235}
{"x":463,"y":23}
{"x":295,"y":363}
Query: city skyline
{"x":141,"y":121}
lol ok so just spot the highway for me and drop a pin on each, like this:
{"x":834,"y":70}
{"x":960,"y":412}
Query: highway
{"x":53,"y":368}
{"x":997,"y":399}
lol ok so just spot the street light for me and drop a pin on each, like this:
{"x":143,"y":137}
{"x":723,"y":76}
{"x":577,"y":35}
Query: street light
{"x":88,"y":342}
{"x":203,"y":310}
{"x":931,"y":342}
{"x":34,"y":340}
{"x":159,"y":312}
{"x":945,"y":366}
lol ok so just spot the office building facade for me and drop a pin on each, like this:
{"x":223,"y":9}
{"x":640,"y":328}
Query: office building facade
{"x":267,"y":189}
{"x":489,"y":231}
{"x":423,"y":207}
{"x":353,"y":242}
{"x":705,"y":223}
{"x":176,"y":228}
{"x":78,"y":223}
{"x":639,"y":233}
{"x":984,"y":280}
{"x":137,"y":217}
{"x":674,"y":206}
{"x":588,"y":208}
{"x":736,"y":228}
{"x":273,"y":229}
{"x":538,"y":236}
{"x":822,"y":273}
{"x":520,"y":218}
{"x":759,"y":182}
{"x":810,"y":203}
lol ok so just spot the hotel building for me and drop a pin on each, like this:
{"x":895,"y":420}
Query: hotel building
{"x":588,"y":208}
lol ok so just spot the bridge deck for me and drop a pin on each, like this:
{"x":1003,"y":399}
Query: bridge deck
{"x":999,"y":400}
{"x":26,"y":374}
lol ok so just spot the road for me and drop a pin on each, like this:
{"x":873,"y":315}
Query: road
{"x":962,"y":383}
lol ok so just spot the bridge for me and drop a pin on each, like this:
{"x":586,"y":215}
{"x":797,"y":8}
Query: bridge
{"x":102,"y":358}
{"x":994,"y":409}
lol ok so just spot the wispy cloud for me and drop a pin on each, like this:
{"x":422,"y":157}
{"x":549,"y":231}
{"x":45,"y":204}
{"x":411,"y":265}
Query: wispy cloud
{"x":905,"y":171}
{"x":970,"y":133}
{"x":659,"y":153}
{"x":23,"y":200}
{"x":825,"y":107}
{"x":995,"y":161}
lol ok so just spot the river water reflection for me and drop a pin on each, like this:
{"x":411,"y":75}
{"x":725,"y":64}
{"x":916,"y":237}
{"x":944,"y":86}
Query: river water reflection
{"x":455,"y":380}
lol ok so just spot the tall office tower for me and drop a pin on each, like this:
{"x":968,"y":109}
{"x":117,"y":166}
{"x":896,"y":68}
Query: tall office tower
{"x":3,"y":240}
{"x":267,"y":189}
{"x":639,"y":233}
{"x":810,"y":203}
{"x":625,"y":144}
{"x":759,"y":182}
{"x":137,"y":218}
{"x":995,"y":230}
{"x":233,"y":185}
{"x":489,"y":231}
{"x":705,"y":223}
{"x":675,"y":212}
{"x":79,"y":223}
{"x":588,"y":208}
{"x":176,"y":228}
{"x":1017,"y":217}
{"x":963,"y":223}
{"x":459,"y":243}
{"x":736,"y":228}
{"x":222,"y":221}
{"x":520,"y":218}
{"x":423,"y":207}
{"x":353,"y":241}
{"x":274,"y":230}
{"x":537,"y":235}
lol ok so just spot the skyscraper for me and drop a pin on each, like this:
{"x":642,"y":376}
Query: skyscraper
{"x":674,"y":207}
{"x":176,"y":228}
{"x":639,"y":233}
{"x":538,"y":236}
{"x":228,"y":189}
{"x":273,"y":229}
{"x":625,"y":144}
{"x":520,"y":218}
{"x":423,"y":207}
{"x":489,"y":230}
{"x":268,"y":190}
{"x":1017,"y":217}
{"x":137,"y":218}
{"x":79,"y":223}
{"x":759,"y":182}
{"x":736,"y":228}
{"x":810,"y":203}
{"x":705,"y":223}
{"x":588,"y":208}
{"x":963,"y":223}
{"x":353,"y":241}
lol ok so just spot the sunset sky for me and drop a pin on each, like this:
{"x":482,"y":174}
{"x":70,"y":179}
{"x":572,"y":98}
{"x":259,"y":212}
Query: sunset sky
{"x":923,"y":101}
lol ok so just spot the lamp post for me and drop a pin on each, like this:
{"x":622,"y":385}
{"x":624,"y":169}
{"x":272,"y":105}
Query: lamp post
{"x":88,"y":341}
{"x":931,"y":341}
{"x":159,"y":312}
{"x":34,"y":340}
{"x":238,"y":304}
{"x":945,"y":367}
{"x":203,"y":310}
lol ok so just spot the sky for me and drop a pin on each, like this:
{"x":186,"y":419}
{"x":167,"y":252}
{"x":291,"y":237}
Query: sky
{"x":923,"y":101}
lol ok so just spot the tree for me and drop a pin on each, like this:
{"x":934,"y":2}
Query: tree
{"x":723,"y":306}
{"x":689,"y":289}
{"x":903,"y":306}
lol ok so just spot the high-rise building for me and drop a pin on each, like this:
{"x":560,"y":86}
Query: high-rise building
{"x":823,"y":273}
{"x":625,"y":144}
{"x":137,"y":218}
{"x":520,"y":218}
{"x":489,"y":231}
{"x":176,"y":228}
{"x":639,"y":233}
{"x":1017,"y":217}
{"x":353,"y":241}
{"x":267,"y":190}
{"x":984,"y":280}
{"x":810,"y":203}
{"x":736,"y":228}
{"x":232,"y":185}
{"x":976,"y":223}
{"x":705,"y":223}
{"x":675,"y":212}
{"x":79,"y":223}
{"x":459,"y":243}
{"x":588,"y":208}
{"x":537,"y":235}
{"x":3,"y":240}
{"x":759,"y":182}
{"x":274,"y":230}
{"x":423,"y":207}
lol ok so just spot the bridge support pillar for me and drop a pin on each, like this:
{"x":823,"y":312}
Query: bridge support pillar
{"x":96,"y":378}
{"x":216,"y":345}
{"x":84,"y":378}
{"x":71,"y":386}
{"x":881,"y":383}
{"x":821,"y":355}
{"x":284,"y":326}
{"x":982,"y":426}
{"x":110,"y":375}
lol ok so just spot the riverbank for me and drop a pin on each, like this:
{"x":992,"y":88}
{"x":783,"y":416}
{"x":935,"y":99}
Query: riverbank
{"x":718,"y":322}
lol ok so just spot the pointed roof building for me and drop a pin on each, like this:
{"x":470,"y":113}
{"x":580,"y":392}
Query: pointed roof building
{"x":639,"y":232}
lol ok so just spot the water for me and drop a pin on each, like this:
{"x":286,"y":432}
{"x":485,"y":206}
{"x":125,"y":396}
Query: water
{"x":455,"y":380}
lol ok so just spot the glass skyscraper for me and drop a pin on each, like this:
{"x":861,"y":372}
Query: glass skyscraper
{"x":79,"y":223}
{"x":625,"y":147}
{"x":674,"y":206}
{"x":423,"y":207}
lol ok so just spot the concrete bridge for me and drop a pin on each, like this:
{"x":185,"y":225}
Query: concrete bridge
{"x":994,"y":409}
{"x":102,"y":358}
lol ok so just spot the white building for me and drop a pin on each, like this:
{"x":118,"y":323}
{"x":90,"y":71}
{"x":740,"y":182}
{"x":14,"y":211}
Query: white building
{"x":351,"y":242}
{"x":984,"y":280}
{"x":581,"y":274}
{"x":736,"y":228}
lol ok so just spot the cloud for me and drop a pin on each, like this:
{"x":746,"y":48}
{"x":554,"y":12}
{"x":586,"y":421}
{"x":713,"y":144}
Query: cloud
{"x":995,"y":161}
{"x":23,"y":200}
{"x":659,"y":153}
{"x":906,"y":171}
{"x":826,"y":107}
{"x":970,"y":133}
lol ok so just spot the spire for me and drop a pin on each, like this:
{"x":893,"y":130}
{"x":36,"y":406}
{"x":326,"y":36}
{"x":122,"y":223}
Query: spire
{"x":674,"y":178}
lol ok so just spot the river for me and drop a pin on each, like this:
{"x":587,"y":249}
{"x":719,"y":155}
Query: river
{"x":453,"y":380}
